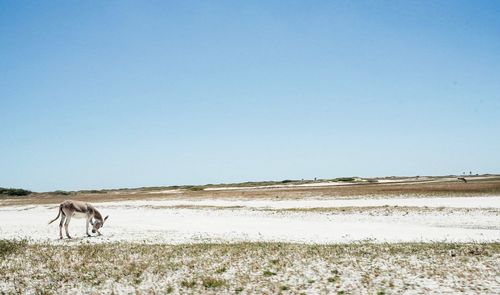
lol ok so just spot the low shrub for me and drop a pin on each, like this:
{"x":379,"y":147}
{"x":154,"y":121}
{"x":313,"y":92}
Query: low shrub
{"x":346,"y":179}
{"x":196,"y":188}
{"x":14,"y":191}
{"x":61,"y":193}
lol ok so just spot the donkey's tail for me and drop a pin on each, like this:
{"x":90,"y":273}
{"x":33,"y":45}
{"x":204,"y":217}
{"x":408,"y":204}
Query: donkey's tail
{"x":58,"y":214}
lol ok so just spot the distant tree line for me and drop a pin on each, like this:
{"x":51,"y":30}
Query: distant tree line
{"x":14,"y":191}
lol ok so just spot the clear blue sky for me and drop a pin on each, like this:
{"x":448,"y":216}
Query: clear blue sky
{"x":107,"y":94}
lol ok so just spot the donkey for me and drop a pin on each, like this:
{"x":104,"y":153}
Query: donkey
{"x":79,"y":209}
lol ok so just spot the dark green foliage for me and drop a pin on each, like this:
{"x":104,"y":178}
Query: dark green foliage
{"x":14,"y":191}
{"x":346,"y":179}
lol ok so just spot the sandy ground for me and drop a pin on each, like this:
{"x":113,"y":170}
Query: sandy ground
{"x":250,"y":268}
{"x":310,"y":221}
{"x":324,"y":239}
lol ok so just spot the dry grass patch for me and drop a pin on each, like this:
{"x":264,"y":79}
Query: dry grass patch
{"x":249,"y":268}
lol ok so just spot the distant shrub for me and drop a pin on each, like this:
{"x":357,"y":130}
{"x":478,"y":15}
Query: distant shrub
{"x":286,"y":181}
{"x":14,"y":191}
{"x":196,"y":188}
{"x":61,"y":193}
{"x":346,"y":179}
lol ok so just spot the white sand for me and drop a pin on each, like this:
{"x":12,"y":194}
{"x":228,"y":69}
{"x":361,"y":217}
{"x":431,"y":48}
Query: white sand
{"x":455,"y":202}
{"x":137,"y":221}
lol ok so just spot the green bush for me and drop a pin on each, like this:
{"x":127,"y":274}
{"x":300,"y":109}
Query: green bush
{"x":14,"y":191}
{"x":346,"y":179}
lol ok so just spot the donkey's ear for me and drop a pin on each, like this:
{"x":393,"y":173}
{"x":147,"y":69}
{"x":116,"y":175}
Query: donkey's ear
{"x":106,"y":218}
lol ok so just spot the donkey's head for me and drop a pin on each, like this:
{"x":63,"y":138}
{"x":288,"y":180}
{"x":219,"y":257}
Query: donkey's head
{"x":97,"y":224}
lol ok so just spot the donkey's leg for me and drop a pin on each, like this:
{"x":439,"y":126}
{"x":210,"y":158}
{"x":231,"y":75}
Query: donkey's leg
{"x":87,"y":227}
{"x":61,"y":225}
{"x":68,"y":219}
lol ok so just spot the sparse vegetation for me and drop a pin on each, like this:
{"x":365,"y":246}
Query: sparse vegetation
{"x":435,"y":186}
{"x":346,"y":179}
{"x":196,"y":188}
{"x":195,"y":268}
{"x":8,"y":247}
{"x":212,"y":282}
{"x":188,"y":284}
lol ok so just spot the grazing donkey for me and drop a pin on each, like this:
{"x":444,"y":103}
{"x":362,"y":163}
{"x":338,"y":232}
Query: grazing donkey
{"x":79,"y":209}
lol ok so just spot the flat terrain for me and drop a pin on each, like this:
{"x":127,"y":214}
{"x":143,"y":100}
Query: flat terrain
{"x":392,"y":210}
{"x":250,"y":268}
{"x":414,"y":235}
{"x":431,"y":219}
{"x":386,"y":187}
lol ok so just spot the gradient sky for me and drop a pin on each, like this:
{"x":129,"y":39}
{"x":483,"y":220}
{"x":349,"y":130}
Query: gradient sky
{"x":109,"y":94}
